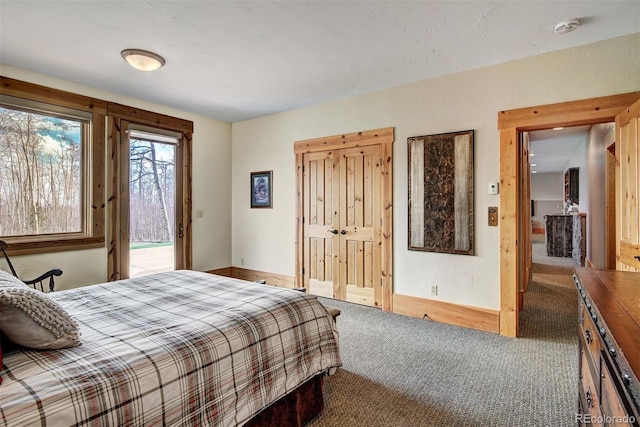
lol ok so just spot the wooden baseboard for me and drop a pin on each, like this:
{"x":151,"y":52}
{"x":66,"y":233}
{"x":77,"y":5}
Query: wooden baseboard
{"x":588,"y":263}
{"x":482,"y":319}
{"x":537,"y":230}
{"x":454,"y":314}
{"x":226,"y":271}
{"x":274,"y":279}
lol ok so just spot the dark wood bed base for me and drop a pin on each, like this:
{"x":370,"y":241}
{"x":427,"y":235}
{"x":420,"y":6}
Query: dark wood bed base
{"x":295,"y":409}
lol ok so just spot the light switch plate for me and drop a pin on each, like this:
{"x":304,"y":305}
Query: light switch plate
{"x":493,"y":188}
{"x":493,"y":216}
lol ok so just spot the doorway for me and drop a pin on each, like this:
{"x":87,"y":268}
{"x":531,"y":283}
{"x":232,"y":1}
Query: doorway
{"x":149,"y":172}
{"x":571,"y":175}
{"x":511,"y":125}
{"x":151,"y":226}
{"x":152,"y":196}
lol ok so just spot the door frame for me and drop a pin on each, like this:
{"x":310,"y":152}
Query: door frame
{"x":118,"y":116}
{"x":383,"y":137}
{"x":510,"y":124}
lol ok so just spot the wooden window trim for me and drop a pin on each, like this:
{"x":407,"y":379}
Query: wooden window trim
{"x":93,"y":169}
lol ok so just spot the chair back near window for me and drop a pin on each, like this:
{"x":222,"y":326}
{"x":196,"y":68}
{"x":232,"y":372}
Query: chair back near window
{"x":37,"y":281}
{"x":3,"y":248}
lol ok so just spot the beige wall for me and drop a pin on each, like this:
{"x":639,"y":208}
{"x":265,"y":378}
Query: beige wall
{"x":600,"y":137}
{"x":264,"y":239}
{"x":211,"y":194}
{"x":225,"y":154}
{"x":547,"y":192}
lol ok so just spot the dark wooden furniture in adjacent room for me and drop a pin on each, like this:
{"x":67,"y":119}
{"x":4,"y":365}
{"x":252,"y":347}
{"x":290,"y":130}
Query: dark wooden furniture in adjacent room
{"x":572,"y":185}
{"x":559,"y":235}
{"x":609,"y":364}
{"x":566,"y":236}
{"x":579,"y":239}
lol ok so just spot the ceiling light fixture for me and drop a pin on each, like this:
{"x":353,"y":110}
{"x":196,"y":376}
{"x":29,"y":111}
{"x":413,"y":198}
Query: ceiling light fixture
{"x":566,"y":26}
{"x":559,"y":128}
{"x":143,"y":59}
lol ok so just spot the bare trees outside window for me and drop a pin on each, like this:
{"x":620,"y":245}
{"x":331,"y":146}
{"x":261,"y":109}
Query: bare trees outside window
{"x":41,"y":188}
{"x":152,"y":191}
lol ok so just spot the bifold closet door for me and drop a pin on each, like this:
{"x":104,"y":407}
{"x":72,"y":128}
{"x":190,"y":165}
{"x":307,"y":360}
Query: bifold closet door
{"x":320,"y":222}
{"x":342,"y":224}
{"x":360,"y":225}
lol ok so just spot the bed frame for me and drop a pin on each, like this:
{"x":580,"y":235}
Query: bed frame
{"x":295,"y":409}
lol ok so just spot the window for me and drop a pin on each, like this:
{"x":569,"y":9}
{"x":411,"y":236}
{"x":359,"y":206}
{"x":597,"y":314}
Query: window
{"x":40,"y":172}
{"x":51,"y":169}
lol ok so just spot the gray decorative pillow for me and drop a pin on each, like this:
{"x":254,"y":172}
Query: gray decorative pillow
{"x":31,"y":319}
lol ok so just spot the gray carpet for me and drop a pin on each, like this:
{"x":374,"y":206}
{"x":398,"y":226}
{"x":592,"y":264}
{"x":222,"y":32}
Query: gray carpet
{"x":401,"y":371}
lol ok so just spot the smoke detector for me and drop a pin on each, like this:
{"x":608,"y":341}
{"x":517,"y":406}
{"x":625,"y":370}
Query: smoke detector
{"x":566,"y":26}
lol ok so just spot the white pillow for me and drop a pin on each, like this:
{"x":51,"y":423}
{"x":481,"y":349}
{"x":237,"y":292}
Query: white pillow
{"x":7,"y":280}
{"x":31,"y":319}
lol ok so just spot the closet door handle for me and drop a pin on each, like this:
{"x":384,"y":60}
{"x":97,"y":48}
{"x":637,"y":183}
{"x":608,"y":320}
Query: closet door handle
{"x":343,"y":232}
{"x":334,"y":231}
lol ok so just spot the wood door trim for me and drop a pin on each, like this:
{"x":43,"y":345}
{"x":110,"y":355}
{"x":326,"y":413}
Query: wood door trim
{"x":626,"y":115}
{"x":572,"y":113}
{"x":510,"y":123}
{"x":118,"y":116}
{"x":348,"y":140}
{"x":385,"y":137}
{"x":610,"y":209}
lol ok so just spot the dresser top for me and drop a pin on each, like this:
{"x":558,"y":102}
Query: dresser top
{"x":616,"y":296}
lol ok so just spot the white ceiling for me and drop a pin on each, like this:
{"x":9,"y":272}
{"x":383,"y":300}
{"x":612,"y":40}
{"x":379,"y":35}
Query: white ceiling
{"x":236,"y":60}
{"x":554,"y":148}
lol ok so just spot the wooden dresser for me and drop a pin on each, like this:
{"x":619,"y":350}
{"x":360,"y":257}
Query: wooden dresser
{"x":609,"y":347}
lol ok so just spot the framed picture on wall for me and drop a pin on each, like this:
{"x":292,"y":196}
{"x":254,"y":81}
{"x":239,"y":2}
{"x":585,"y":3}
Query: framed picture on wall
{"x":261,"y":189}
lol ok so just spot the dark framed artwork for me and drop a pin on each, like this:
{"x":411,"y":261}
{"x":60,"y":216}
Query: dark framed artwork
{"x":441,"y":192}
{"x":261,"y":189}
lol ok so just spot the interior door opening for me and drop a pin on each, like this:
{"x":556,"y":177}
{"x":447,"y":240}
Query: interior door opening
{"x":511,"y":124}
{"x":152,"y":196}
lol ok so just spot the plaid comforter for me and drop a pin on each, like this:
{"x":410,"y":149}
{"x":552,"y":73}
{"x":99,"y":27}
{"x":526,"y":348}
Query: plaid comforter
{"x":177,"y":348}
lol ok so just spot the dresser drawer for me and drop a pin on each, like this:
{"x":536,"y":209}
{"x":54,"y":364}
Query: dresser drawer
{"x":613,"y":407}
{"x":591,"y":340}
{"x":589,"y":394}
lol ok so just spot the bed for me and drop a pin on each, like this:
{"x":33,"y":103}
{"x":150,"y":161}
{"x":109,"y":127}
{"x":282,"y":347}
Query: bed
{"x":175,"y":348}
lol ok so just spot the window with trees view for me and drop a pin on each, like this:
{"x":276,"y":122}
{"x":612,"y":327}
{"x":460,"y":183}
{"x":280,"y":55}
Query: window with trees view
{"x":52,"y":168}
{"x":152,"y":191}
{"x":41,"y":188}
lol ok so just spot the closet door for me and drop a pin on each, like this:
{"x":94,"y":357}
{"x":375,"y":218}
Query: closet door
{"x":342,"y":224}
{"x":360,"y":224}
{"x":321,"y":222}
{"x":344,"y":216}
